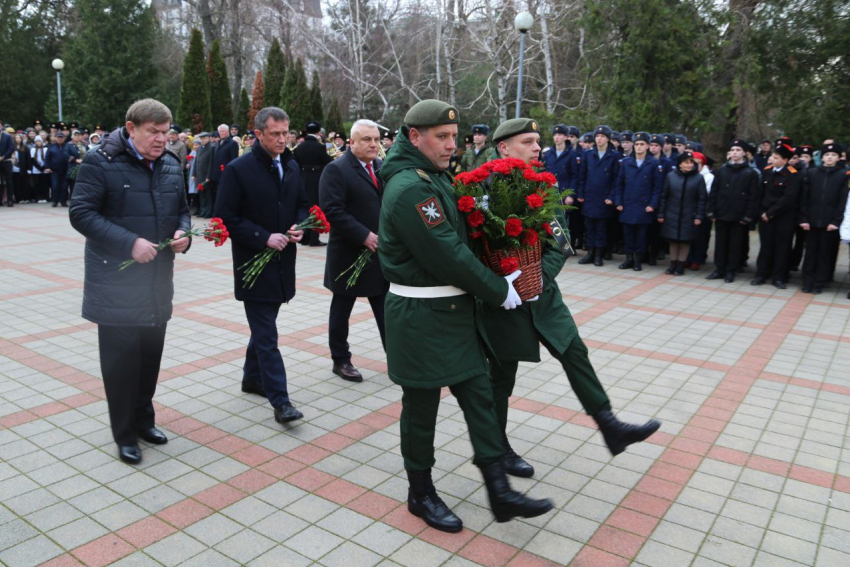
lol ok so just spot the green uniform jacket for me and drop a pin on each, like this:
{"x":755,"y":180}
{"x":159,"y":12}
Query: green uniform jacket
{"x":513,"y":334}
{"x":423,"y":242}
{"x":470,"y":161}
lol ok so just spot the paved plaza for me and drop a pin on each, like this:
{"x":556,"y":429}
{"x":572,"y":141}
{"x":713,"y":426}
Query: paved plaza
{"x":751,"y":466}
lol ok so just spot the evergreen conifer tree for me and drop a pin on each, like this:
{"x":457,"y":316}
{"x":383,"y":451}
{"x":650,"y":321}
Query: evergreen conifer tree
{"x":221,"y":102}
{"x":275,"y":73}
{"x":317,"y":110}
{"x":194,"y":111}
{"x":335,"y":122}
{"x":256,"y":99}
{"x":243,"y":109}
{"x":295,"y":97}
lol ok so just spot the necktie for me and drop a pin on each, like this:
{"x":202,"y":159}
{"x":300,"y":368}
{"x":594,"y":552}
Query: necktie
{"x":372,"y":174}
{"x":147,"y":162}
{"x":279,"y":168}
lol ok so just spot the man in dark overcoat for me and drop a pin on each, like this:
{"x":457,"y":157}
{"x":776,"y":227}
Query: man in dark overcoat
{"x":261,"y":201}
{"x":312,"y":156}
{"x":350,"y":196}
{"x":225,"y":151}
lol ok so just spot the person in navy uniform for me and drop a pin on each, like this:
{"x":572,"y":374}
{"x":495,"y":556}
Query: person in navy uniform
{"x":558,"y":160}
{"x":627,"y":142}
{"x":778,"y":211}
{"x":597,"y":177}
{"x":636,"y":196}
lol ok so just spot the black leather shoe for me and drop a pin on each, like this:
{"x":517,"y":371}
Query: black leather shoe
{"x":608,"y":256}
{"x":153,"y":435}
{"x":807,"y":289}
{"x":347,"y":372}
{"x":818,"y":291}
{"x":424,"y":502}
{"x":319,"y":244}
{"x":779,"y":284}
{"x":514,"y":464}
{"x":629,"y":263}
{"x":730,"y":277}
{"x":637,"y":267}
{"x":130,"y":454}
{"x":672,"y":269}
{"x":287,"y":413}
{"x":505,"y":502}
{"x":758,"y":280}
{"x":588,"y":258}
{"x":619,"y":435}
{"x":680,"y":269}
{"x":597,"y":257}
{"x":254,"y":388}
{"x":715,"y":275}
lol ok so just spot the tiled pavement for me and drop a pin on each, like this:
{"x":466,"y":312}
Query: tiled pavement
{"x":752,"y":466}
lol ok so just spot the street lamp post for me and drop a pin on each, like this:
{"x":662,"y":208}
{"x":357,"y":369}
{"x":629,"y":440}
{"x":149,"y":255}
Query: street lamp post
{"x":58,"y":64}
{"x":522,"y":23}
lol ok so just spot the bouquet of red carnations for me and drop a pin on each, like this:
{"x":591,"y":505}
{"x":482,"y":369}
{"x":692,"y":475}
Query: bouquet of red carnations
{"x":509,"y":206}
{"x":254,"y":267}
{"x":214,"y":232}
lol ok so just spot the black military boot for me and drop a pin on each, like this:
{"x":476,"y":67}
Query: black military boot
{"x":505,"y":502}
{"x":609,"y":253}
{"x":597,"y":257}
{"x":680,"y":268}
{"x":672,"y":269}
{"x":423,"y":502}
{"x":629,"y":263}
{"x":651,"y":254}
{"x":638,"y":257}
{"x":514,"y":464}
{"x":619,"y":435}
{"x":588,"y":258}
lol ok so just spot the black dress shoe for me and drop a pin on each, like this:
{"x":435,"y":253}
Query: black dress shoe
{"x":286,"y":413}
{"x":807,"y":289}
{"x":424,"y":502}
{"x":514,"y":464}
{"x":619,"y":435}
{"x":758,"y":280}
{"x":319,"y":244}
{"x":153,"y":435}
{"x":505,"y":502}
{"x":130,"y":454}
{"x":347,"y":372}
{"x":254,"y":388}
{"x":730,"y":277}
{"x":588,"y":258}
{"x":818,"y":291}
{"x":779,"y":284}
{"x":715,"y":275}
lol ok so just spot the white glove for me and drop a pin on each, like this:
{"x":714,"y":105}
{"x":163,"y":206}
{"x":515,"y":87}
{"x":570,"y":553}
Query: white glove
{"x":536,"y":297}
{"x":513,"y":300}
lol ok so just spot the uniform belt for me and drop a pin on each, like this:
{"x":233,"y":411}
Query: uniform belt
{"x":425,"y":292}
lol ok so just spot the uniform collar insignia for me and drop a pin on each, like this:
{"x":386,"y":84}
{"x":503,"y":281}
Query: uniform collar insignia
{"x":423,"y":175}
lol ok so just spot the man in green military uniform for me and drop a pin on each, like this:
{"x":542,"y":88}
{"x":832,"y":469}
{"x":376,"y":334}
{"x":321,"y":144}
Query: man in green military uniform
{"x":481,"y":152}
{"x":517,"y":335}
{"x":432,"y":336}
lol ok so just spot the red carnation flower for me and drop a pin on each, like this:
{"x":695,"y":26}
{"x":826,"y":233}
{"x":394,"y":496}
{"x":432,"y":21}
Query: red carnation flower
{"x":462,"y":178}
{"x":515,"y":163}
{"x":548,"y":228}
{"x":509,"y":265}
{"x":535,"y":163}
{"x":475,"y":218}
{"x":466,"y":203}
{"x":531,"y":175}
{"x":478,"y":175}
{"x":535,"y":201}
{"x":200,"y":187}
{"x":222,"y":167}
{"x":500,"y":167}
{"x":529,"y":237}
{"x":513,"y":227}
{"x":547,"y":178}
{"x":476,"y":234}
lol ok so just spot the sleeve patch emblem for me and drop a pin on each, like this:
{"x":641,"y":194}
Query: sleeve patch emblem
{"x":431,"y":212}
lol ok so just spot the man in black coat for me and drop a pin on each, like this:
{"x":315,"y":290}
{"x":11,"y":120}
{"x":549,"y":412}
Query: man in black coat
{"x":732,"y":205}
{"x":7,"y":148}
{"x":225,"y":151}
{"x":312,"y":156}
{"x":780,"y":192}
{"x":129,"y":197}
{"x":203,"y":162}
{"x":261,"y":200}
{"x":350,"y":196}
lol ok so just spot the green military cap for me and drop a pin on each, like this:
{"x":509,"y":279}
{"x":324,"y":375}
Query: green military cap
{"x":431,"y":112}
{"x":513,"y":127}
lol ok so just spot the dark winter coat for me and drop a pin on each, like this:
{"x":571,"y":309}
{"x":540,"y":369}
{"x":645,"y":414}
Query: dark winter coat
{"x":312,"y":156}
{"x":352,"y":204}
{"x":203,"y":162}
{"x":226,"y":151}
{"x":116,"y":200}
{"x":824,"y":196}
{"x":780,"y":192}
{"x":597,"y":179}
{"x":560,"y":166}
{"x":734,"y":194}
{"x":682,"y":201}
{"x":254,"y":203}
{"x":7,"y":145}
{"x":57,"y":159}
{"x":638,"y":188}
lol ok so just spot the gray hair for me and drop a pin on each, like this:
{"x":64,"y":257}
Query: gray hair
{"x":361,"y":124}
{"x":148,"y":110}
{"x":225,"y":126}
{"x":273,"y":112}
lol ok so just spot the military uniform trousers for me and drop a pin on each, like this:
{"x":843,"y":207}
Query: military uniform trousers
{"x":419,"y":419}
{"x":634,"y":238}
{"x":595,"y":232}
{"x":576,"y":220}
{"x":575,"y":362}
{"x":775,"y":240}
{"x":819,"y":265}
{"x":729,"y":241}
{"x":129,"y":363}
{"x":797,"y":247}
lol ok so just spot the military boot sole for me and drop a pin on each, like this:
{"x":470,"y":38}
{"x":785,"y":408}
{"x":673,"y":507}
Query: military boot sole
{"x":644,"y":432}
{"x":507,"y":512}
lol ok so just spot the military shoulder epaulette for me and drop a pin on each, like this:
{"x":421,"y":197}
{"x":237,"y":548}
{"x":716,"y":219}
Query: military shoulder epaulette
{"x":546,"y":149}
{"x":423,"y":175}
{"x":791,"y":169}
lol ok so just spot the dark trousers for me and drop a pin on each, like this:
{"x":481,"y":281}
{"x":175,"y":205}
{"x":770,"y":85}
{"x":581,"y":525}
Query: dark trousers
{"x":6,"y":180}
{"x":634,"y":238}
{"x":730,"y":239}
{"x":59,"y":187}
{"x":576,"y":221}
{"x":654,"y":242}
{"x":263,"y":361}
{"x":819,"y":265}
{"x":797,"y":248}
{"x":129,"y":362}
{"x":614,"y":235}
{"x":576,"y":363}
{"x":41,"y":186}
{"x":22,"y":187}
{"x":699,"y":247}
{"x":341,"y":306}
{"x":419,"y":419}
{"x":775,"y":240}
{"x":595,"y":232}
{"x":208,"y":198}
